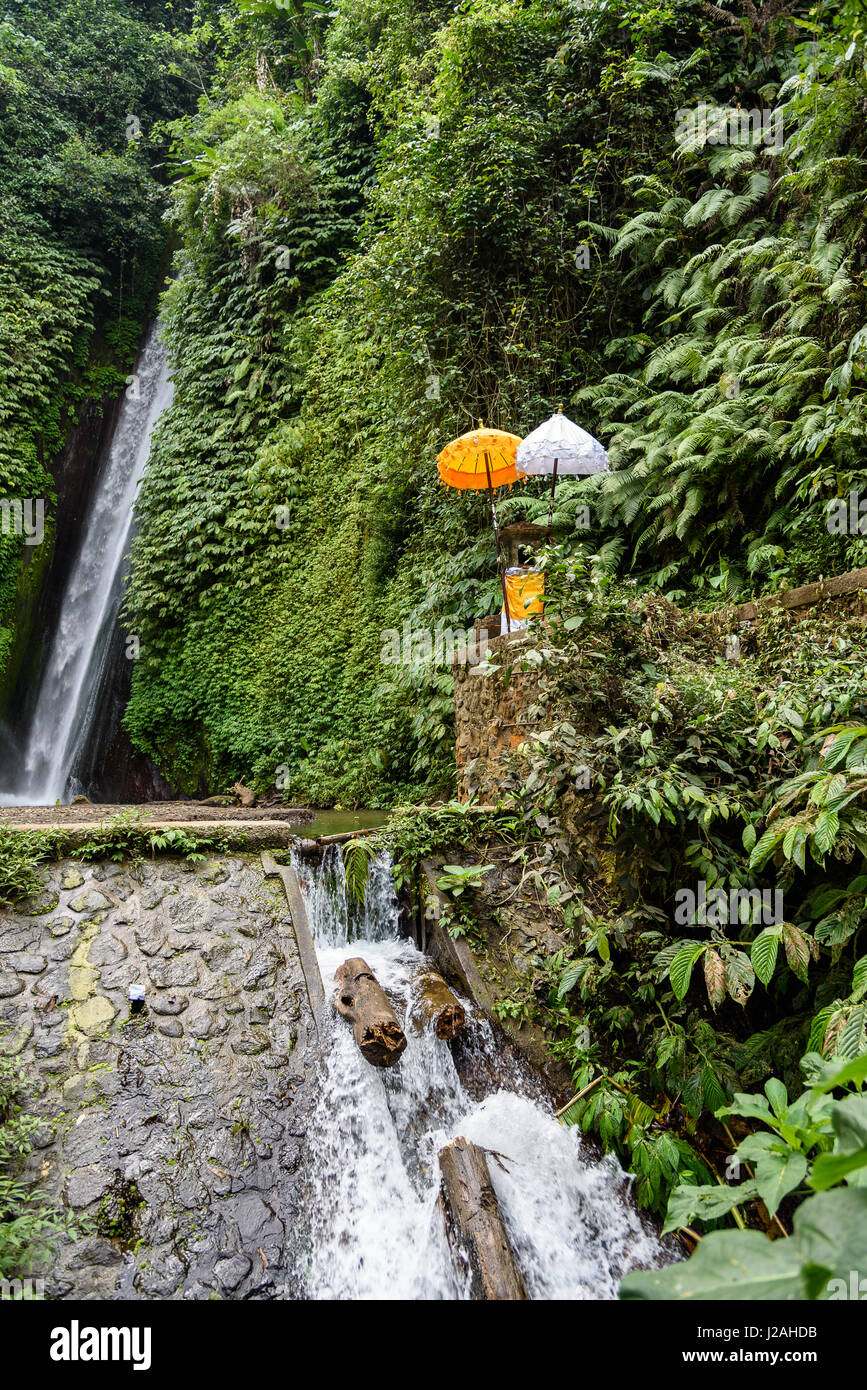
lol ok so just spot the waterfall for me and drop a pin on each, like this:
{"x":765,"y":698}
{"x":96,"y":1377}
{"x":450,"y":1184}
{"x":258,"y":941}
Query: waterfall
{"x":75,"y":664}
{"x":375,"y":1229}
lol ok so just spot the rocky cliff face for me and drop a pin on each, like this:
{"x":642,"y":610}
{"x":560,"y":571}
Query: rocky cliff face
{"x":175,"y":1133}
{"x":111,"y":769}
{"x":45,"y":569}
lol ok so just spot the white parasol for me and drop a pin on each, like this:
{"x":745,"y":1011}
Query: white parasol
{"x":560,"y":446}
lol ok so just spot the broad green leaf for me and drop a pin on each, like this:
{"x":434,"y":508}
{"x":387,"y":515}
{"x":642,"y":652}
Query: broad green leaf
{"x":829,"y":1240}
{"x":849,"y":1119}
{"x":749,"y":1107}
{"x":680,"y":972}
{"x":825,"y":833}
{"x":830,"y":1169}
{"x":851,"y":1039}
{"x":714,"y":1095}
{"x":755,"y":1146}
{"x":742,"y":1266}
{"x":779,"y":1174}
{"x":687,"y":1204}
{"x":854,"y":1072}
{"x":570,"y":977}
{"x":777,"y":1095}
{"x":766,"y":846}
{"x":831,"y":1229}
{"x":764,"y":953}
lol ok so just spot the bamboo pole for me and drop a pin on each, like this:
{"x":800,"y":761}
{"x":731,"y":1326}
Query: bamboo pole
{"x":551,"y":502}
{"x":580,"y":1095}
{"x":500,"y":566}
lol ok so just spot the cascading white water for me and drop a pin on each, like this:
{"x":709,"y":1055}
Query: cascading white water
{"x":74,"y":667}
{"x":375,"y":1228}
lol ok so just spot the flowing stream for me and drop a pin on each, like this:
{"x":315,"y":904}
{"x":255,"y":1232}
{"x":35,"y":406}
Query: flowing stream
{"x":376,"y":1230}
{"x":75,"y":665}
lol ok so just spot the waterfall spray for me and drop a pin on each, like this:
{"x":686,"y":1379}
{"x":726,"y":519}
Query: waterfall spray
{"x":74,"y":667}
{"x":375,"y":1227}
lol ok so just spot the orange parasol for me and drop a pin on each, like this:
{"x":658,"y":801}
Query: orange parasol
{"x":483,"y":458}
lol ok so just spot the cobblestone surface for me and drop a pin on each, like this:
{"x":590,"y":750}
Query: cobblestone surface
{"x":175,"y":1134}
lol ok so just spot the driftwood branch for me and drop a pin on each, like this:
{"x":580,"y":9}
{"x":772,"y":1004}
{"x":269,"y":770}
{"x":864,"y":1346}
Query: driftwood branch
{"x":361,"y":1000}
{"x":246,"y":796}
{"x":476,"y":1232}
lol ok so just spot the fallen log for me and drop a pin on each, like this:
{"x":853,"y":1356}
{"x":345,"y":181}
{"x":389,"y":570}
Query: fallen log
{"x":345,"y":835}
{"x":474,"y":1225}
{"x":361,"y":1000}
{"x":435,"y":1003}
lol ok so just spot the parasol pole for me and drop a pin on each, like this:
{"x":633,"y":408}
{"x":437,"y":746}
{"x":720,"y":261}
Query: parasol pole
{"x":553,"y":486}
{"x":551,"y":503}
{"x":497,"y":538}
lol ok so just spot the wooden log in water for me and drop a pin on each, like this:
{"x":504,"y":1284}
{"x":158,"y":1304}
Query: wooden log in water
{"x":345,"y":835}
{"x":476,"y":1232}
{"x":435,"y":1002}
{"x":361,"y":1000}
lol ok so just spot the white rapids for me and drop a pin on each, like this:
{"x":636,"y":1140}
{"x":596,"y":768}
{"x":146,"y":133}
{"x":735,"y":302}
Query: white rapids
{"x":376,"y":1231}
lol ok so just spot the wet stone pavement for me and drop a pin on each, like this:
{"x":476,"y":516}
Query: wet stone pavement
{"x":175,"y":1135}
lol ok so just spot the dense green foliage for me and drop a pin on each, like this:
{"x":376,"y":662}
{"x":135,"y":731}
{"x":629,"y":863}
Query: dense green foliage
{"x":390,"y":221}
{"x":21,"y":855}
{"x":82,"y":84}
{"x":661,"y":766}
{"x":349,"y":316}
{"x":448,"y":215}
{"x":390,"y":224}
{"x":125,"y":836}
{"x":817,"y":1138}
{"x":747,"y":406}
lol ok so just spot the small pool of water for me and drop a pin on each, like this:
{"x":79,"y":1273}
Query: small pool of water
{"x":339,"y":822}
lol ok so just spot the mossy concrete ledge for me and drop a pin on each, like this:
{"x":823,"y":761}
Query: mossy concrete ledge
{"x":233,"y":834}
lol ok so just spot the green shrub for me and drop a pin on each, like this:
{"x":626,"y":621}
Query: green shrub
{"x":30,"y":1226}
{"x":22,"y":852}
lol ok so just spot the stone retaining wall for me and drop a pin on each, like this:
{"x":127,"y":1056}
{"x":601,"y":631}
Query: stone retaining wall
{"x":491,"y":715}
{"x":176,"y":1134}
